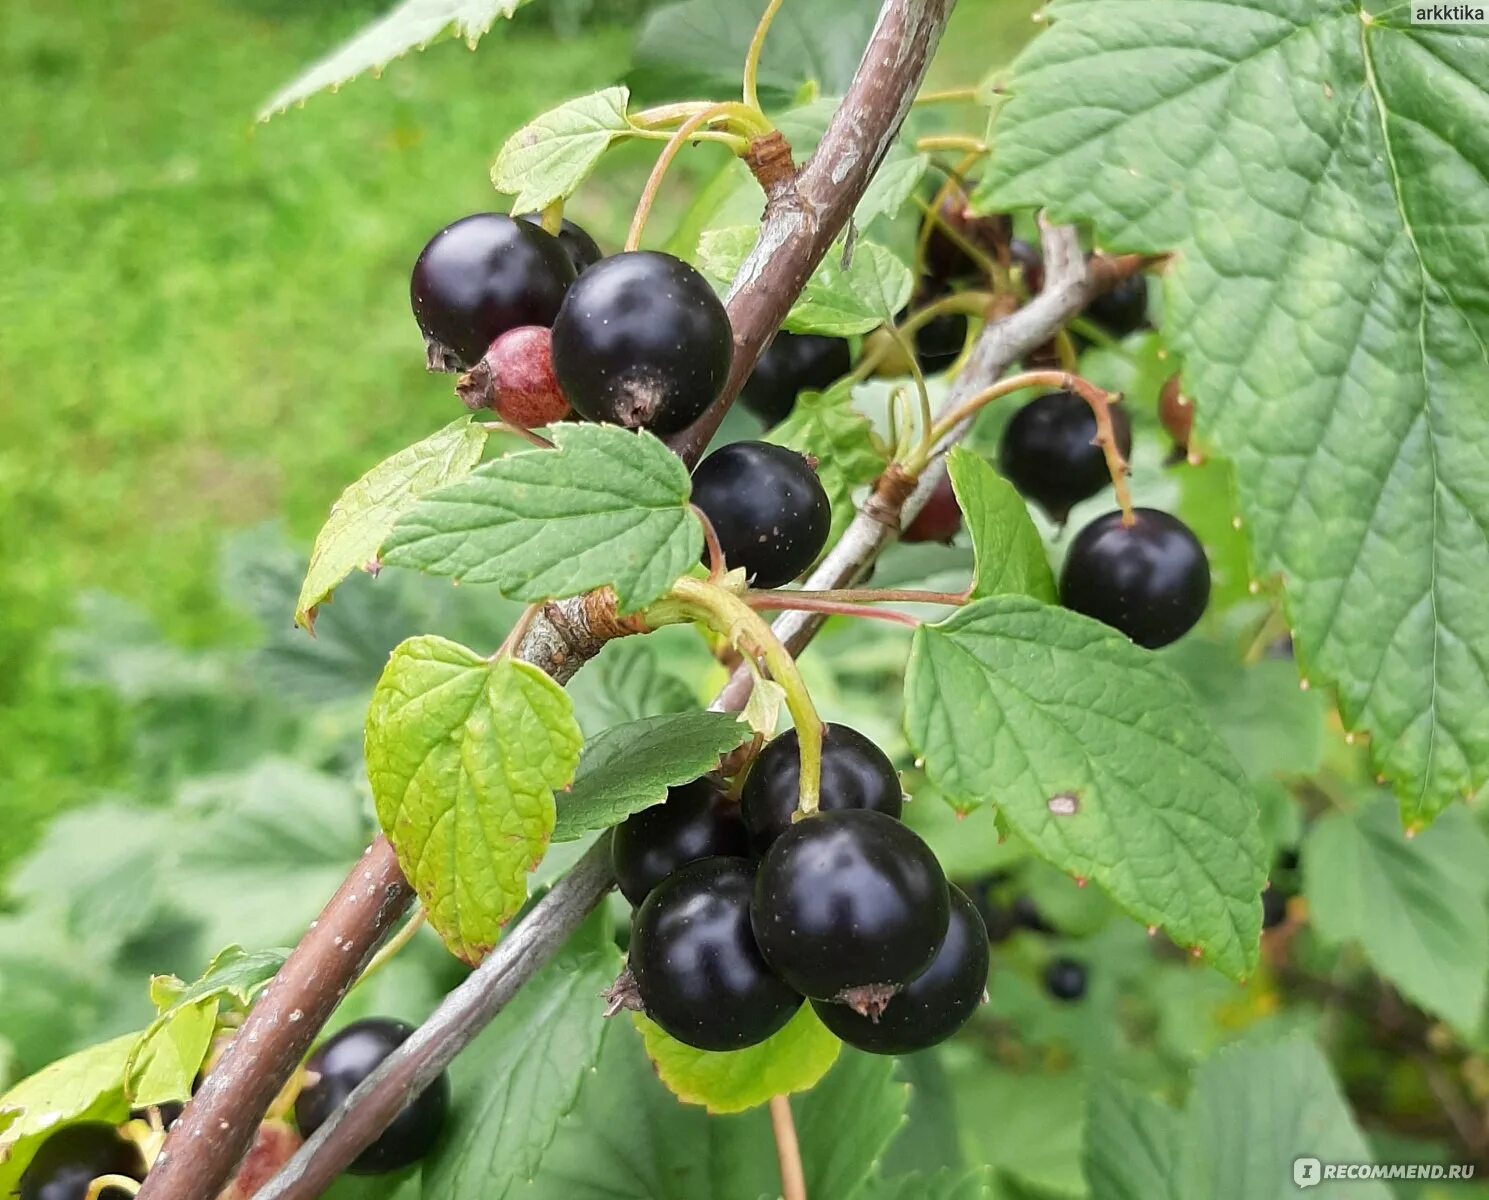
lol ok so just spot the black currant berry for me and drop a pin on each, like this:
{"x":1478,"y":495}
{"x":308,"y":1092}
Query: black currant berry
{"x":642,"y":341}
{"x":340,"y":1064}
{"x":583,"y":250}
{"x":939,"y":342}
{"x":850,"y":906}
{"x":933,"y":1005}
{"x":696,"y":966}
{"x":1122,"y":309}
{"x":768,"y":507}
{"x":697,"y":820}
{"x":1049,"y":452}
{"x":941,"y":518}
{"x":74,"y":1157}
{"x":1065,"y":979}
{"x":1026,"y":913}
{"x":484,"y":275}
{"x":855,"y":774}
{"x":1274,"y":907}
{"x":945,"y":256}
{"x":1150,"y":581}
{"x":793,"y":363}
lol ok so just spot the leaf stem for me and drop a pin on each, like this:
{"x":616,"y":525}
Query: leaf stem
{"x":952,"y":141}
{"x":971,"y":303}
{"x":795,"y":602}
{"x":962,"y":95}
{"x":752,"y":57}
{"x":102,"y":1184}
{"x":788,"y":1149}
{"x":394,"y":944}
{"x":659,"y":171}
{"x":717,"y":568}
{"x":553,"y":217}
{"x":521,"y":431}
{"x":873,"y":596}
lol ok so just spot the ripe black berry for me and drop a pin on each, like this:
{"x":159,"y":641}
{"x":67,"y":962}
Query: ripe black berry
{"x":1150,"y":581}
{"x":697,"y":820}
{"x":793,"y":363}
{"x":583,"y":250}
{"x":945,"y":258}
{"x":767,"y":506}
{"x":73,"y":1157}
{"x":939,"y":342}
{"x":1274,"y":906}
{"x":340,"y":1064}
{"x":484,"y":275}
{"x":933,"y":1005}
{"x":696,"y":966}
{"x":642,"y":341}
{"x":1065,"y":979}
{"x":1122,"y":309}
{"x":850,"y":906}
{"x":855,"y":774}
{"x":1049,"y":452}
{"x":1026,"y":913}
{"x":941,"y":518}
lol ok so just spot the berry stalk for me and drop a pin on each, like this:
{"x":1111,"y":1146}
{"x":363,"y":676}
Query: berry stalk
{"x":752,"y":57}
{"x":695,"y":122}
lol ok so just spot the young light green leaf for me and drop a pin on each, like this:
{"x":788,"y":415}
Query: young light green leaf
{"x":552,"y":154}
{"x":367,"y":510}
{"x":234,"y":975}
{"x":464,"y":755}
{"x":1093,"y":752}
{"x":412,"y":25}
{"x":1415,"y":905}
{"x":166,"y":1058}
{"x":606,"y":507}
{"x":837,"y":300}
{"x":826,"y":426}
{"x":1306,"y":162}
{"x":731,"y":1081}
{"x":1010,"y":554}
{"x":631,"y":766}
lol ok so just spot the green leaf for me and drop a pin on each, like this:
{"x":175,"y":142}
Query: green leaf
{"x":838,"y":301}
{"x":552,"y":154}
{"x":848,"y":1121}
{"x":1309,"y":165}
{"x":1254,"y":1110}
{"x":167,"y":1056}
{"x":1036,"y":1140}
{"x":940,"y":1185}
{"x":412,"y":25}
{"x":826,"y":426}
{"x":630,"y":767}
{"x":234,"y":975}
{"x":1415,"y":905}
{"x":627,"y":682}
{"x":1092,"y":751}
{"x":523,"y":1073}
{"x":731,"y":1081}
{"x":87,"y":1086}
{"x":607,"y":507}
{"x":1010,"y":554}
{"x":367,"y":510}
{"x":464,"y":755}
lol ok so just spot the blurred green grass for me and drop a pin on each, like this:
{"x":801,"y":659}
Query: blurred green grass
{"x":204,"y":323}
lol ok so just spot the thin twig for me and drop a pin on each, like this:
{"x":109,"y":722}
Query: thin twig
{"x":795,"y":602}
{"x":876,"y":596}
{"x":659,"y":170}
{"x":788,"y":1150}
{"x":752,"y":57}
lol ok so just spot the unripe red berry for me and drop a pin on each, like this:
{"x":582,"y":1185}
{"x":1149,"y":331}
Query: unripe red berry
{"x":941,"y":518}
{"x":516,"y":379}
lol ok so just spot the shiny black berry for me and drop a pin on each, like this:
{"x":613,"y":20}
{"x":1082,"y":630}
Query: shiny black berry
{"x":933,"y":1005}
{"x":484,"y":275}
{"x":793,"y":363}
{"x":697,"y":820}
{"x":850,"y":906}
{"x":1122,"y":309}
{"x":73,"y":1157}
{"x":1027,"y":915}
{"x":583,"y":250}
{"x":940,"y":520}
{"x":939,"y":342}
{"x":768,"y":507}
{"x":1065,"y":979}
{"x":696,"y":966}
{"x":1049,"y":452}
{"x":340,"y":1064}
{"x":855,"y":774}
{"x":642,"y":341}
{"x":1150,"y":581}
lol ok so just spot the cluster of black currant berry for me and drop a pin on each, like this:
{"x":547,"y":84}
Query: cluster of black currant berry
{"x":1064,"y":977}
{"x":742,"y":911}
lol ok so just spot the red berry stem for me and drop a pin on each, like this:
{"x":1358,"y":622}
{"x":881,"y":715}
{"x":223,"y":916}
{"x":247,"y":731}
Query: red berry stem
{"x":795,"y":602}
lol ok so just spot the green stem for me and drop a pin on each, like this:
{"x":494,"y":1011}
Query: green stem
{"x":752,"y":58}
{"x":965,"y":95}
{"x":103,"y":1182}
{"x":659,"y":171}
{"x":971,"y":303}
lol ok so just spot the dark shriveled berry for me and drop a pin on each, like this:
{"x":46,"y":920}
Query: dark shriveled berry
{"x":768,"y":507}
{"x":793,"y":363}
{"x":643,"y":342}
{"x":940,"y":520}
{"x":933,"y":1005}
{"x":484,"y":275}
{"x":1065,"y":979}
{"x":945,"y":255}
{"x":697,"y":820}
{"x":850,"y":906}
{"x":855,"y":774}
{"x":583,"y":250}
{"x":1150,"y":581}
{"x":1049,"y":452}
{"x":696,"y":967}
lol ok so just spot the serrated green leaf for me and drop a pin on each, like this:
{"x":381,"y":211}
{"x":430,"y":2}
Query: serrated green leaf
{"x":630,"y":767}
{"x":234,"y":974}
{"x":523,"y":1073}
{"x":552,"y":154}
{"x":1133,"y":1144}
{"x":1010,"y":554}
{"x":412,"y":25}
{"x":826,"y":426}
{"x":945,"y":1184}
{"x":1094,"y":753}
{"x":731,"y":1081}
{"x":167,"y":1056}
{"x":1415,"y":905}
{"x":838,"y":301}
{"x":606,"y":507}
{"x":627,"y":682}
{"x":846,"y":1152}
{"x":367,"y":511}
{"x":1310,"y":164}
{"x":464,"y":755}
